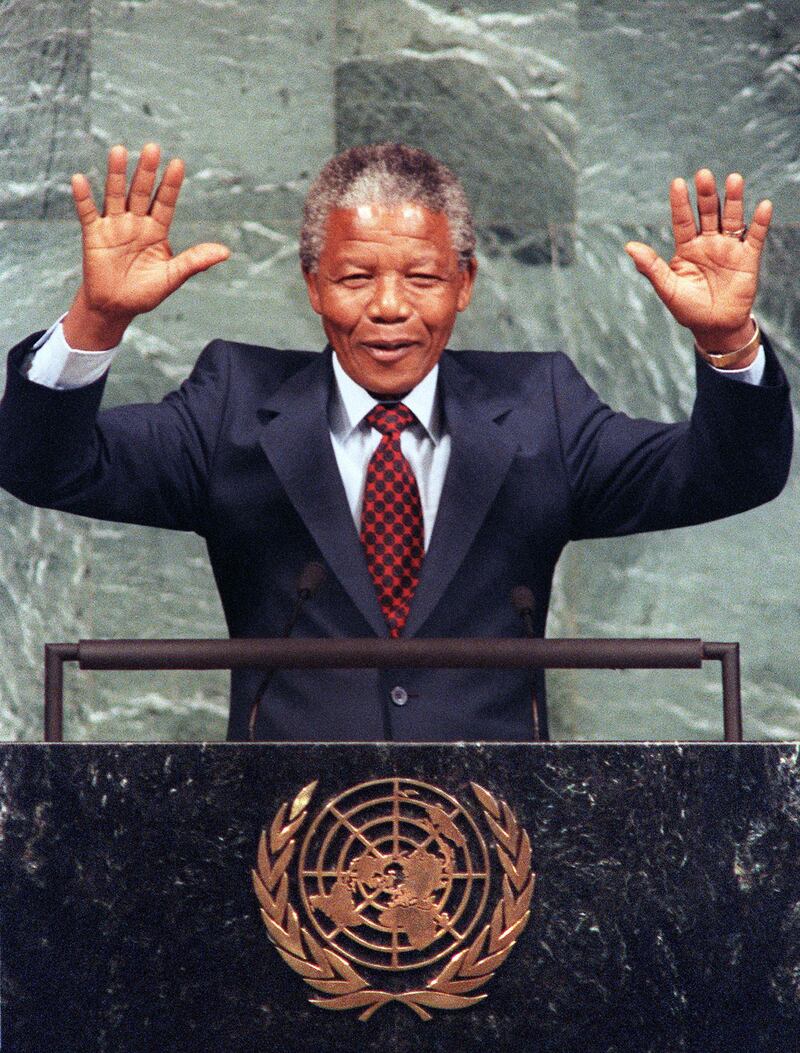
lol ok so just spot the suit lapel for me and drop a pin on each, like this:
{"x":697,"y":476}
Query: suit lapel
{"x":481,"y":454}
{"x":296,"y":439}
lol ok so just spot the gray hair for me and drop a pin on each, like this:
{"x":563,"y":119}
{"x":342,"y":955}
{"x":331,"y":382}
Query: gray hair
{"x":385,"y":174}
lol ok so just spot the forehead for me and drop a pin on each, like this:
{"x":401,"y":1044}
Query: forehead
{"x":407,"y":225}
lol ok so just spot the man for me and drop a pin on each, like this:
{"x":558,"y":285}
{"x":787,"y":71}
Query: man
{"x":429,"y":483}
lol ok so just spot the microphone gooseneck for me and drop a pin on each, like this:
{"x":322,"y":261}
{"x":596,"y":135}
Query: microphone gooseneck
{"x":523,"y":603}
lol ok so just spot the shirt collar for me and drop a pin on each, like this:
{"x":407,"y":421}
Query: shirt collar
{"x":350,"y":403}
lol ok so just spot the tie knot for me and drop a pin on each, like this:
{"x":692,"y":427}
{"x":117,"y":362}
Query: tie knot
{"x":389,"y":419}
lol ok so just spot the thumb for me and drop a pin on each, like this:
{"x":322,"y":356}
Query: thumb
{"x":656,"y":270}
{"x":195,"y":259}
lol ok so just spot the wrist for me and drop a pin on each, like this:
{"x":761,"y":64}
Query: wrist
{"x":87,"y":329}
{"x":724,"y":341}
{"x":724,"y":353}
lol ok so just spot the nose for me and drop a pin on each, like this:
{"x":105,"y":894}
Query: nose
{"x":388,"y":303}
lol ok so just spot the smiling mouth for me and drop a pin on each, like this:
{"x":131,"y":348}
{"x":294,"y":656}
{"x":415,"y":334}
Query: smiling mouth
{"x":388,"y":349}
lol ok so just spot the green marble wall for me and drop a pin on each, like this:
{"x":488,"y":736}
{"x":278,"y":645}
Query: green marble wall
{"x":566,"y":121}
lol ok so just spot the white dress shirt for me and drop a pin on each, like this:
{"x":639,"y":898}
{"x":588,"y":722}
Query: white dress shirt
{"x":425,"y":443}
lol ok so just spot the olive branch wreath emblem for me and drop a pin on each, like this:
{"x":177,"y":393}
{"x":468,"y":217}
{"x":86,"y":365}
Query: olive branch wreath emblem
{"x":341,"y":986}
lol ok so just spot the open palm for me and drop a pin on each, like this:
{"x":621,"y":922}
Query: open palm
{"x":710,"y":283}
{"x":128,"y":264}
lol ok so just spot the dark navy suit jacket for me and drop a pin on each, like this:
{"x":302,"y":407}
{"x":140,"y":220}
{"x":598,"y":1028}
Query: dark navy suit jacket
{"x":241,"y":454}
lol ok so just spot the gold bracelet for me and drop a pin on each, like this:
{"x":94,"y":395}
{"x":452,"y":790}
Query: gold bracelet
{"x":722,"y":359}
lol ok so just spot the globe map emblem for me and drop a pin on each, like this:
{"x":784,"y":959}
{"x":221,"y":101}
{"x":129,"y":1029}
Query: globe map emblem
{"x":394,"y":873}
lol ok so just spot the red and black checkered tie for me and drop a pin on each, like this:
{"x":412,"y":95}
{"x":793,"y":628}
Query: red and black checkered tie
{"x":391,"y":517}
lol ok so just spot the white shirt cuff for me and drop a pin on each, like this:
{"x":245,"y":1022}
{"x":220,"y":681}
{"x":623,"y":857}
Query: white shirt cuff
{"x":752,"y":374}
{"x":57,"y":365}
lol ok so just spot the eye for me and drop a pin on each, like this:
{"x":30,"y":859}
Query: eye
{"x":424,"y":279}
{"x":354,"y":281}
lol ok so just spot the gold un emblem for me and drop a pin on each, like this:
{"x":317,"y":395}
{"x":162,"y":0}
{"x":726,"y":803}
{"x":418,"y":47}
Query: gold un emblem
{"x":394,"y":877}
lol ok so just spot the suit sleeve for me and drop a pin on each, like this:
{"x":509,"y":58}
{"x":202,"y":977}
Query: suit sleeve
{"x":145,"y":464}
{"x":629,"y":475}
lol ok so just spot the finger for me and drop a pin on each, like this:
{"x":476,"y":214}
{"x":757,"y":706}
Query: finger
{"x":144,"y":178}
{"x":733,"y":209}
{"x":656,"y":270}
{"x":759,"y":225}
{"x":684,"y":227}
{"x":84,"y":202}
{"x":114,"y":200}
{"x":194,"y":260}
{"x":163,"y":207}
{"x":707,"y":202}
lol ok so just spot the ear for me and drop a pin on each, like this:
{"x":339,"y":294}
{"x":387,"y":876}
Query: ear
{"x":467,"y":276}
{"x":311,"y":279}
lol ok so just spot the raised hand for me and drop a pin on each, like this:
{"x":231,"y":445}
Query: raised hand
{"x":710,"y":283}
{"x":128,"y":264}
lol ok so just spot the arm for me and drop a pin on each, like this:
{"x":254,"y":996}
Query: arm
{"x":143,"y":464}
{"x":734,"y":453}
{"x":629,"y":475}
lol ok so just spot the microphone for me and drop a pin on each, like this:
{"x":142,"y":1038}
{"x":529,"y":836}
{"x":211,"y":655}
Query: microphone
{"x":523,"y":603}
{"x":312,"y":577}
{"x":309,"y":581}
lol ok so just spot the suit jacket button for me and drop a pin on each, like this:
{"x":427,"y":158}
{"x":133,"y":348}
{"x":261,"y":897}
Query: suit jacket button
{"x":399,"y":696}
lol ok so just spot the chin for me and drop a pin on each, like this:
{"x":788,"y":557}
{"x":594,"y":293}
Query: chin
{"x":387,"y":378}
{"x":395,"y":384}
{"x":399,"y":377}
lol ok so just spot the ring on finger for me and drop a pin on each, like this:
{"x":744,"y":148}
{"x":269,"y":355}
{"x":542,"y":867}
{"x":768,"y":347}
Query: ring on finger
{"x":739,"y":233}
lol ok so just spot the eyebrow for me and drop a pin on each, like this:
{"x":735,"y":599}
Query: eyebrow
{"x":426,"y":258}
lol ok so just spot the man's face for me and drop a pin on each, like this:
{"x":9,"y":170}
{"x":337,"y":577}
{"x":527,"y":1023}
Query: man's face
{"x":388,"y":288}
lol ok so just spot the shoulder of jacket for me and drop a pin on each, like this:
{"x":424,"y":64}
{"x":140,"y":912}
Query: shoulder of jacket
{"x":503,"y":370}
{"x":258,"y":355}
{"x":265,"y":363}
